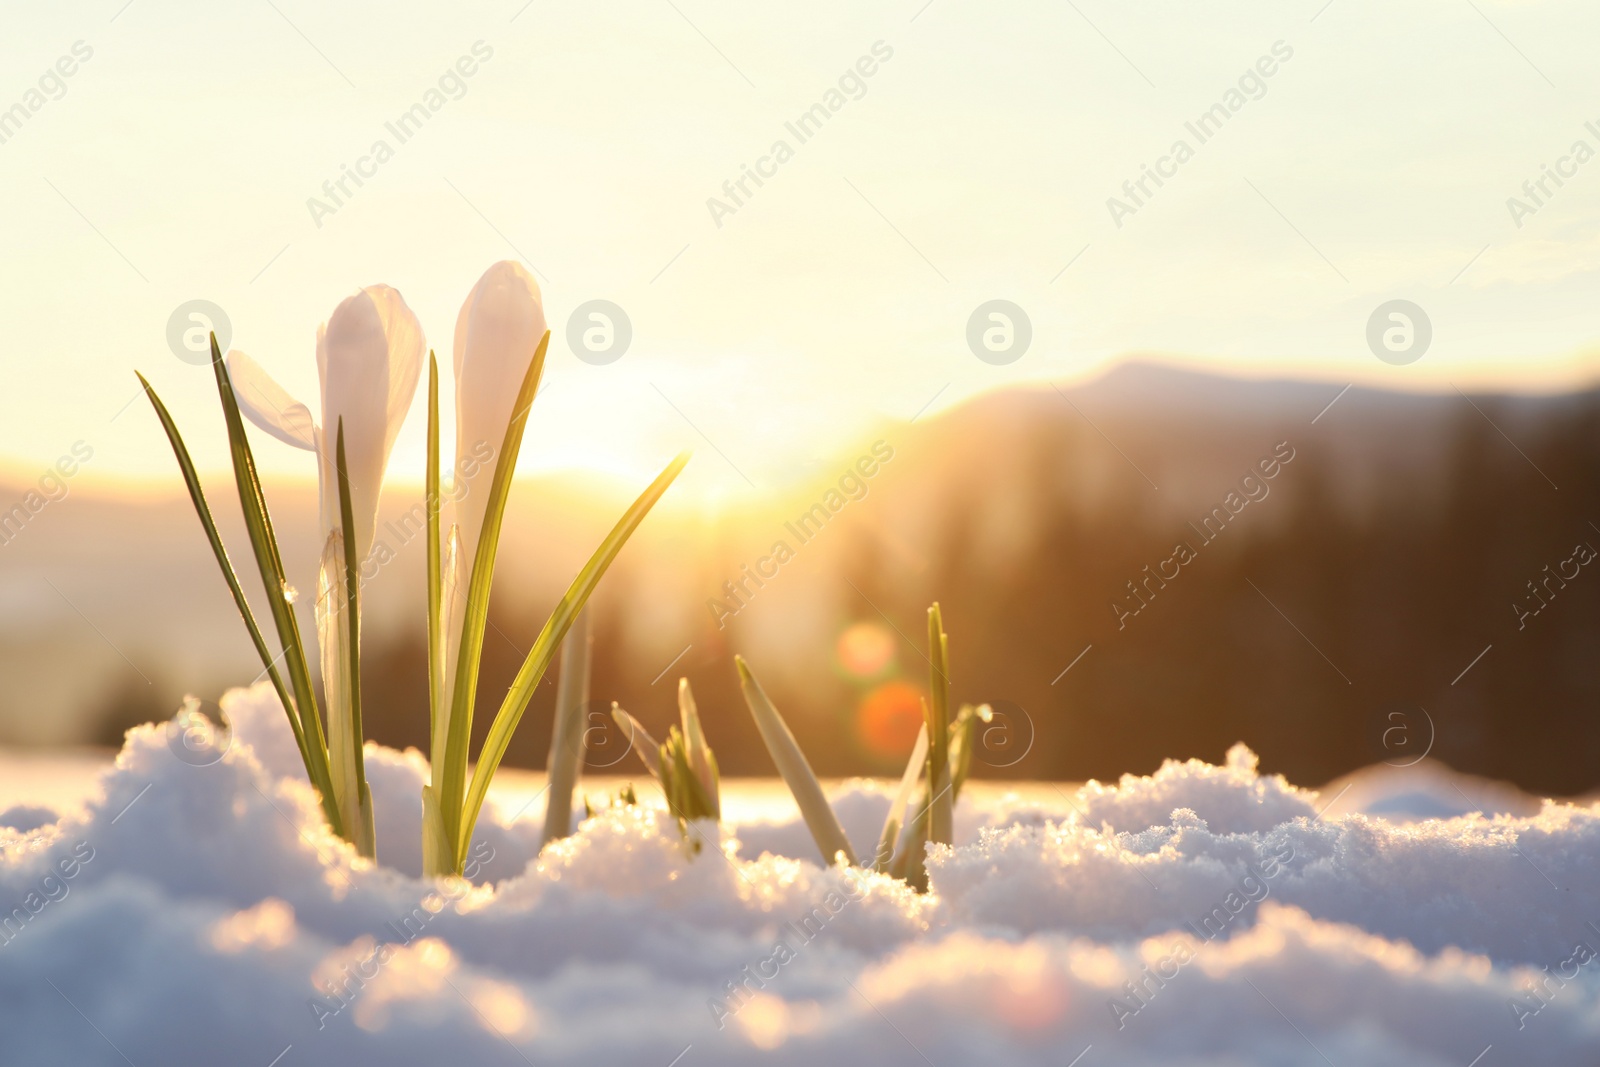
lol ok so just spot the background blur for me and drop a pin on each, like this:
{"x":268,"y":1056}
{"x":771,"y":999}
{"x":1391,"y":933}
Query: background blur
{"x":1413,"y":580}
{"x":1336,"y":620}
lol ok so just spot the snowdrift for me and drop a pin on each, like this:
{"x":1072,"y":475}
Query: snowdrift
{"x":197,"y":913}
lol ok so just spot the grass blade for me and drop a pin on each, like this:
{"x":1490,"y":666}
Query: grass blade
{"x":431,"y":504}
{"x":565,"y":762}
{"x":937,"y":710}
{"x":902,"y":799}
{"x":910,"y":862}
{"x":963,"y":738}
{"x":639,"y":739}
{"x":476,"y":615}
{"x":555,"y":629}
{"x":359,"y":820}
{"x":264,"y":543}
{"x":438,"y":855}
{"x":796,"y":772}
{"x":197,"y":496}
{"x":452,"y":600}
{"x":687,"y":797}
{"x":701,"y":759}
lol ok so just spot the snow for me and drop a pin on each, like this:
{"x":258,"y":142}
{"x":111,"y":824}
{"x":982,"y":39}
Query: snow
{"x":194,"y":911}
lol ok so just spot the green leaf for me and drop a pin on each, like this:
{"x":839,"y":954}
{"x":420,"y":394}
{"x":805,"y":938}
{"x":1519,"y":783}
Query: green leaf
{"x":470,"y":649}
{"x":963,"y":738}
{"x":796,"y":772}
{"x":701,"y":760}
{"x":438,"y":848}
{"x":687,"y":797}
{"x":313,"y":751}
{"x":911,"y":864}
{"x":198,"y":497}
{"x":364,"y":840}
{"x":902,"y":798}
{"x":265,"y":546}
{"x":937,"y":711}
{"x":639,"y":739}
{"x":544,"y":648}
{"x":432,"y":505}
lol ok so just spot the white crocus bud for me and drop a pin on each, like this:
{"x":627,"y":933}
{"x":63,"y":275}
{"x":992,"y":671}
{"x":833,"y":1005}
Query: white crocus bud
{"x":497,"y":333}
{"x":369,"y":358}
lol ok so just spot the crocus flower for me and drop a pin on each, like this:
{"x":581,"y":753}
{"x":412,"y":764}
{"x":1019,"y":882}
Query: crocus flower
{"x":369,"y":358}
{"x":497,"y":332}
{"x":497,"y":335}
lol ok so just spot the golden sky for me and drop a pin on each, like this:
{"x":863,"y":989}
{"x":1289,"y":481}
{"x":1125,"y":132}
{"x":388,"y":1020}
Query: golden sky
{"x":956,"y":154}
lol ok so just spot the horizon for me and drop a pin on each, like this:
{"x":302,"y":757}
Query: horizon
{"x":578,"y":478}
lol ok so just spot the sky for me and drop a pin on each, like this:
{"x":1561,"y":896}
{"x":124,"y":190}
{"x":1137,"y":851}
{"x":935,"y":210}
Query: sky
{"x":1359,"y":153}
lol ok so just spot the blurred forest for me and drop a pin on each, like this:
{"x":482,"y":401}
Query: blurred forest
{"x":1329,"y":625}
{"x":1373,"y":600}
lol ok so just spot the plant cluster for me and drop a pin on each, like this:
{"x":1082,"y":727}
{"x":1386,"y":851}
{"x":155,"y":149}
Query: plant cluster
{"x":686,"y":769}
{"x":369,"y":358}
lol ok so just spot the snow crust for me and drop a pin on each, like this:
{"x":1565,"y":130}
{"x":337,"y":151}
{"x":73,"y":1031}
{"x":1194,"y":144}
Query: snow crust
{"x":199,"y":913}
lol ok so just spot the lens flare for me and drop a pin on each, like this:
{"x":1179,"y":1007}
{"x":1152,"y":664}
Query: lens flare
{"x":888,"y":719}
{"x":865,"y":650}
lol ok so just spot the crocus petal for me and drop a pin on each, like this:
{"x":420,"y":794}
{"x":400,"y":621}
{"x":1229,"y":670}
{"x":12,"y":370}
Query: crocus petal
{"x":370,"y":357}
{"x":268,"y":405}
{"x":497,"y":332}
